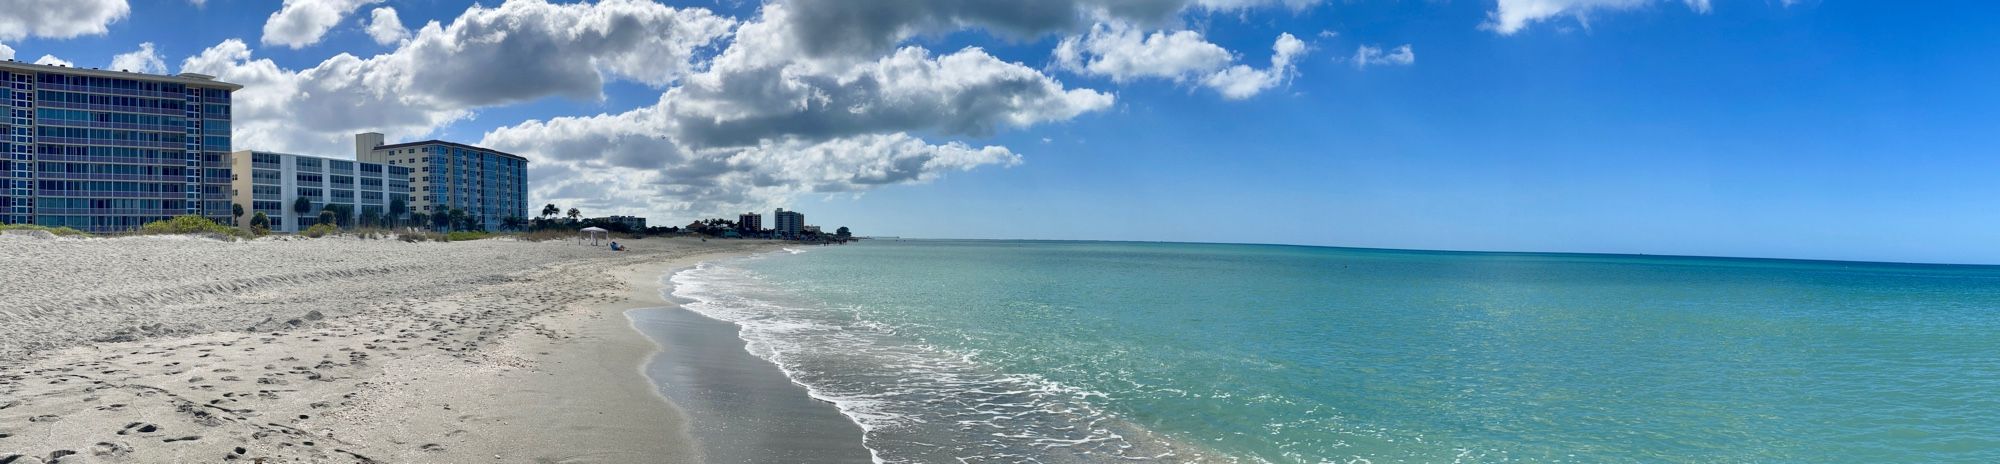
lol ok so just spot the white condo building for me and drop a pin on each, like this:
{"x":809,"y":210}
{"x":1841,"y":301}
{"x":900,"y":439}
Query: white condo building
{"x":271,"y":183}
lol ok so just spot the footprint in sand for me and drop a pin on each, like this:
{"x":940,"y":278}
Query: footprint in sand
{"x":139,"y":428}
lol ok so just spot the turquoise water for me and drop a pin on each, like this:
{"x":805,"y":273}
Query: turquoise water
{"x":995,"y":351}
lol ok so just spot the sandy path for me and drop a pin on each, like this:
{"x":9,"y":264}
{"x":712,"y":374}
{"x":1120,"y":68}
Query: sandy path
{"x":384,"y":352}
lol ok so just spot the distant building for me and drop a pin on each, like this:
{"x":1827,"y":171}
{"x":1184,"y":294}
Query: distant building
{"x":488,"y":184}
{"x":814,"y":230}
{"x":270,"y":183}
{"x":109,"y":151}
{"x":788,"y":223}
{"x":634,"y":223}
{"x":750,"y":221}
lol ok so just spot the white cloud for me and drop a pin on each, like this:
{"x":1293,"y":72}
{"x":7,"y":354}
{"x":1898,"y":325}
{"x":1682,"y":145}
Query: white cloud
{"x":845,"y":27}
{"x":1510,"y":16}
{"x":143,"y":60}
{"x":766,"y":122}
{"x":303,"y":22}
{"x":53,"y":61}
{"x":385,"y":27}
{"x":1241,"y":81}
{"x":59,"y":19}
{"x":6,"y":52}
{"x":521,"y":50}
{"x":1368,"y":55}
{"x":1123,"y":53}
{"x":198,"y":3}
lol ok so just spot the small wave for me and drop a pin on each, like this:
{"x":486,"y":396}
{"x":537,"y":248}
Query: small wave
{"x":909,"y":396}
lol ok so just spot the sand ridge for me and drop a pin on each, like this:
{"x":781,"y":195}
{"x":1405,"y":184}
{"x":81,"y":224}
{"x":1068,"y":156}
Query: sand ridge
{"x":462,"y":352}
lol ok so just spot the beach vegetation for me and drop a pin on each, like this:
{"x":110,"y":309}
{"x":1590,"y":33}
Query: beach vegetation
{"x":328,"y":217}
{"x":302,"y":206}
{"x":189,"y":224}
{"x":57,"y":231}
{"x":260,"y":223}
{"x":415,"y":236}
{"x":321,"y":229}
{"x":464,"y":235}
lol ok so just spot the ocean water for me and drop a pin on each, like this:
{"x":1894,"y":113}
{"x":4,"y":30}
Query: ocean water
{"x":999,"y":351}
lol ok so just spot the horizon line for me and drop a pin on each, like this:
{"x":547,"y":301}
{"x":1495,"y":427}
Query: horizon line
{"x":1434,"y":250}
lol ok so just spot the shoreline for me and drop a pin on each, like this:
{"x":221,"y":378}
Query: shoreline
{"x":734,"y":407}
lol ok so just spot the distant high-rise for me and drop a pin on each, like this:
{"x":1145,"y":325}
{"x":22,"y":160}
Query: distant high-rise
{"x":108,"y":151}
{"x":488,"y":184}
{"x":750,"y":221}
{"x":788,"y":223}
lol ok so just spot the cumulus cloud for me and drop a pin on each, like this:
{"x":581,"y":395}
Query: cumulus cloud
{"x":1242,"y":81}
{"x":1123,"y":53}
{"x":1369,"y":55}
{"x":385,"y":27}
{"x":6,"y":52}
{"x":1510,"y":16}
{"x":303,"y":22}
{"x":849,"y":27}
{"x":521,"y":50}
{"x":53,"y":61}
{"x":59,"y":19}
{"x":143,"y":60}
{"x":766,"y":122}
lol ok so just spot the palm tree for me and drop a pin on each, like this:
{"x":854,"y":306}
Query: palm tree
{"x":236,"y":211}
{"x":370,"y":218}
{"x":302,"y":207}
{"x":513,"y":222}
{"x":396,"y":210}
{"x":551,"y":210}
{"x":442,"y":219}
{"x":419,"y":219}
{"x":260,"y":222}
{"x":574,"y":214}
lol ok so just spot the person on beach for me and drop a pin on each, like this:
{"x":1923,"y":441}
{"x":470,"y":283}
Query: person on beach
{"x":615,"y":247}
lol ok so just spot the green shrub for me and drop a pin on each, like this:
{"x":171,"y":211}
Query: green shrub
{"x":188,"y":224}
{"x":421,"y":236}
{"x":461,"y":236}
{"x":320,"y":230}
{"x":58,"y":231}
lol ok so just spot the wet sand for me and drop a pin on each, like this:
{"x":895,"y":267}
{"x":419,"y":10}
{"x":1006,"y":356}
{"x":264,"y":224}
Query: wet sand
{"x":742,"y":409}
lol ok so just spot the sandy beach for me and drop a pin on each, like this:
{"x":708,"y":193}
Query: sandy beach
{"x":177,"y":349}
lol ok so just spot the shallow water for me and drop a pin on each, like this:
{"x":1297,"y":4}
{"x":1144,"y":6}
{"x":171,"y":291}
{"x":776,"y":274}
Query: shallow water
{"x":997,"y":351}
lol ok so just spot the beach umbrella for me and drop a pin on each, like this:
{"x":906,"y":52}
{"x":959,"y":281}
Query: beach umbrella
{"x":594,"y":233}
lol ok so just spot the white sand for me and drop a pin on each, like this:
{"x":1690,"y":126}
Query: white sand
{"x":333,"y":350}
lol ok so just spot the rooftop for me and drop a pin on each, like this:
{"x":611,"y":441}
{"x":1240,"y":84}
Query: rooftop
{"x":454,"y":144}
{"x":199,"y":80}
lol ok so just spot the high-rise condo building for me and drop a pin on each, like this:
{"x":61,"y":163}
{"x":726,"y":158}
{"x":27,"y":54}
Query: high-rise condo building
{"x":273,"y":183}
{"x":108,"y":151}
{"x":488,"y":184}
{"x":788,"y":223}
{"x":750,"y":221}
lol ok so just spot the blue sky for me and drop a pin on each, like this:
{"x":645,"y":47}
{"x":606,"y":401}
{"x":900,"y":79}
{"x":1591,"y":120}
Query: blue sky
{"x":1830,"y":130}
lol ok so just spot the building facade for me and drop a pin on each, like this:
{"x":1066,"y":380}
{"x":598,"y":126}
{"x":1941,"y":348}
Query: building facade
{"x":272,"y":183}
{"x":488,"y":184}
{"x":750,"y":221}
{"x":109,"y":151}
{"x":788,"y":223}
